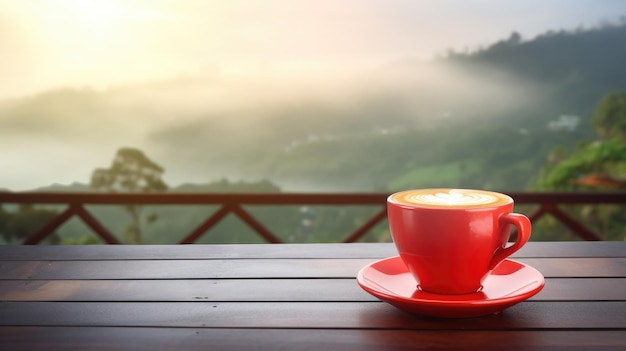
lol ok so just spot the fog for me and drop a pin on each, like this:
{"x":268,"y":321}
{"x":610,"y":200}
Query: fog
{"x":225,"y":89}
{"x":201,"y":128}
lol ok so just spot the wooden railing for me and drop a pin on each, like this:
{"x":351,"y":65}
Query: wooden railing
{"x":547,"y":203}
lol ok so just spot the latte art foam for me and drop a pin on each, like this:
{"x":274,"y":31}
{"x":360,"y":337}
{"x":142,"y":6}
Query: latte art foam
{"x":454,"y":197}
{"x":451,"y":198}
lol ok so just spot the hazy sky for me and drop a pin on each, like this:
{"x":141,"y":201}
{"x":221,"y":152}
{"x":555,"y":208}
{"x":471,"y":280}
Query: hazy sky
{"x":47,"y":44}
{"x":50,"y":43}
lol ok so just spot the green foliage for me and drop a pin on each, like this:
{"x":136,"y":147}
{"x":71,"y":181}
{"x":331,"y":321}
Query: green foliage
{"x":452,"y":174}
{"x":607,"y":157}
{"x":599,"y":165}
{"x":380,"y":145}
{"x":131,"y":171}
{"x":226,"y":186}
{"x":609,"y":120}
{"x":16,"y":226}
{"x":604,"y":158}
{"x":292,"y":224}
{"x":85,"y":239}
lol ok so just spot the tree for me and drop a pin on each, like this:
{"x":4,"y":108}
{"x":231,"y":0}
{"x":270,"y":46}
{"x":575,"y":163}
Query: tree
{"x":609,"y":119}
{"x":596,"y":165}
{"x":131,"y":171}
{"x":600,"y":164}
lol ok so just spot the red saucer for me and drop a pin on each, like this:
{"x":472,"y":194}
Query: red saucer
{"x":509,"y":283}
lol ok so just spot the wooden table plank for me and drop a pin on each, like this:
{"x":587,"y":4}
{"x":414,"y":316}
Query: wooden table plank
{"x":192,"y":339}
{"x":344,"y":315}
{"x":248,"y":290}
{"x":290,"y":296}
{"x":265,"y":268}
{"x":197,"y":251}
{"x":151,"y":339}
{"x":251,"y":251}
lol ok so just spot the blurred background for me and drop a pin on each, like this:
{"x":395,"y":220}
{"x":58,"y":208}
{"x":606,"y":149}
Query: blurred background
{"x":315,"y":96}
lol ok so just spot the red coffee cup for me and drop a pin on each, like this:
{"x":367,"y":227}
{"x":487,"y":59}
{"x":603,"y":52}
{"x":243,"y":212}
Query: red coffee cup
{"x":450,"y":239}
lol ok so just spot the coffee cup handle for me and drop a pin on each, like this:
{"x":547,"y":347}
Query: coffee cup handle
{"x":523,"y":234}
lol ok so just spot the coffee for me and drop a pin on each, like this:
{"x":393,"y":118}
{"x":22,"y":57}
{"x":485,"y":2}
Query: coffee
{"x":450,"y":239}
{"x":450,"y":198}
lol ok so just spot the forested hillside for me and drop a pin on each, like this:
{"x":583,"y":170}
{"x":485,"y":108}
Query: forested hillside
{"x":487,"y":142}
{"x":482,"y":119}
{"x":486,"y":118}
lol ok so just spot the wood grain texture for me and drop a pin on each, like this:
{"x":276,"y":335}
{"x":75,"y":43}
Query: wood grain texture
{"x":266,"y":268}
{"x":343,"y":315}
{"x":248,"y":251}
{"x":292,"y":297}
{"x":192,"y":339}
{"x":262,"y":290}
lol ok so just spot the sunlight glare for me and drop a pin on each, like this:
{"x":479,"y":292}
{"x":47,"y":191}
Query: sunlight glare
{"x":96,"y":16}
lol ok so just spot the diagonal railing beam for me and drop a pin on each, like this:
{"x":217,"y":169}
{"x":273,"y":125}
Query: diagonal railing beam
{"x":366,"y":227}
{"x":50,"y":227}
{"x":235,"y":202}
{"x":256,"y":225}
{"x":72,"y":210}
{"x":206,"y":225}
{"x":94,"y":224}
{"x":568,"y":221}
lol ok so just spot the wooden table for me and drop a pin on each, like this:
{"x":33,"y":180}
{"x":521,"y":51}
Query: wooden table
{"x":287,"y":297}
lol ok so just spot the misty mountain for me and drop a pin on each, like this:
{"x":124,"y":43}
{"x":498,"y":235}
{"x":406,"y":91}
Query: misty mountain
{"x":580,"y":65}
{"x":470,"y":119}
{"x":484,"y":119}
